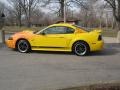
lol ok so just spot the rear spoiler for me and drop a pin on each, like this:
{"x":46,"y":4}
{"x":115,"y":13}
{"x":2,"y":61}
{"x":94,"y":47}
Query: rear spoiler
{"x":97,"y":30}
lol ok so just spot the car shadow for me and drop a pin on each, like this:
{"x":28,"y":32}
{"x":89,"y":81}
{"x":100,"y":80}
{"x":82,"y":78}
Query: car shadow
{"x":53,"y":52}
{"x":113,"y":45}
{"x":109,"y":49}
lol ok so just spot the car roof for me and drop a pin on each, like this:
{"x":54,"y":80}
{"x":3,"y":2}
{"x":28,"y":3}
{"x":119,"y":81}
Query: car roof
{"x":63,"y":24}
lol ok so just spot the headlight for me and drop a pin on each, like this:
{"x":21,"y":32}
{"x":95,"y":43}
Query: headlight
{"x":10,"y":38}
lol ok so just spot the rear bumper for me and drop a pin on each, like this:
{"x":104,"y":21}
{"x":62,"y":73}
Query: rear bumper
{"x":10,"y":43}
{"x":98,"y":46}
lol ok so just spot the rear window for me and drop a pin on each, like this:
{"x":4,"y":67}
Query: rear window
{"x":84,"y":28}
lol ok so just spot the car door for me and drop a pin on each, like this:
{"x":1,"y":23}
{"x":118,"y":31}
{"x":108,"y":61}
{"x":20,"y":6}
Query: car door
{"x":54,"y":37}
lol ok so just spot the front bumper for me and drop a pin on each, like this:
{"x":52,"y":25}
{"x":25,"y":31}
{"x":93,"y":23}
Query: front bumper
{"x":10,"y":43}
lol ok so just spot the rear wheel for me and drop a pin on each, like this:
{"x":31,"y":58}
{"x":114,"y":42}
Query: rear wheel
{"x":23,"y":46}
{"x":81,"y":48}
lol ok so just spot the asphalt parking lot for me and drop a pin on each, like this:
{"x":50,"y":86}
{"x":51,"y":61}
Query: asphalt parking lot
{"x":56,"y":70}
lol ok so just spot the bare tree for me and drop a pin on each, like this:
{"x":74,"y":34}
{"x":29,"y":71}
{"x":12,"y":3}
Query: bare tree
{"x":115,"y":5}
{"x":1,"y":14}
{"x":28,"y":6}
{"x":80,"y":3}
{"x":37,"y":17}
{"x":22,"y":10}
{"x":2,"y":35}
{"x":87,"y":12}
{"x":11,"y":17}
{"x":16,"y":9}
{"x":62,"y":3}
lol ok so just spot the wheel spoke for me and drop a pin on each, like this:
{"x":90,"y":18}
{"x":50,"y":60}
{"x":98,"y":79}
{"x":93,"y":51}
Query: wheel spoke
{"x":22,"y":46}
{"x":80,"y":49}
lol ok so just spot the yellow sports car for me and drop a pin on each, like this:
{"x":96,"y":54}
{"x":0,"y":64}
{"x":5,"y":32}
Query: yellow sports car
{"x":57,"y":37}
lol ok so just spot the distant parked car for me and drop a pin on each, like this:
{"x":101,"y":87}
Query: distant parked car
{"x":58,"y":37}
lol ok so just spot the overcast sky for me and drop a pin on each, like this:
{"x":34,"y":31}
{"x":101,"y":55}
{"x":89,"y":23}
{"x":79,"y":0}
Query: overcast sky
{"x":5,"y":1}
{"x":48,"y":9}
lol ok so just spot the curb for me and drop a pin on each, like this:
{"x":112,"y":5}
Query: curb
{"x":2,"y":45}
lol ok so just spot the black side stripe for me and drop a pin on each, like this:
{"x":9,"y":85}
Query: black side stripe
{"x":46,"y":47}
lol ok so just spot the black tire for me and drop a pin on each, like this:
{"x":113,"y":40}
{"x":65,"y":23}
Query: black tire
{"x":23,"y":46}
{"x":80,"y":48}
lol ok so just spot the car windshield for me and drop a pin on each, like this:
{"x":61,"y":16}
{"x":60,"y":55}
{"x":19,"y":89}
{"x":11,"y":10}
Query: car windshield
{"x":41,"y":28}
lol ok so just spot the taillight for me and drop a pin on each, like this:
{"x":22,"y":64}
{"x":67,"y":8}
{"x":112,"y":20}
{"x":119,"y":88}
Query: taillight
{"x":100,"y":38}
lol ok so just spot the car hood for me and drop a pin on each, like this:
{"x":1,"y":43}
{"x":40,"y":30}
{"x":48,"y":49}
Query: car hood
{"x":25,"y":31}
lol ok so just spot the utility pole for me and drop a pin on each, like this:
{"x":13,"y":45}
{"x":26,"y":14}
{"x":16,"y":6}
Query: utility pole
{"x":106,"y":20}
{"x":65,"y":11}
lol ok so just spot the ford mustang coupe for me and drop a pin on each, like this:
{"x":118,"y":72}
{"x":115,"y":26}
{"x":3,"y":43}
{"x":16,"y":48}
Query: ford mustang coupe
{"x":57,"y":37}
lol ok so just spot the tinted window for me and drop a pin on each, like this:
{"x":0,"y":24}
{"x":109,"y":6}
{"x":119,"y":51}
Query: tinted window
{"x":59,"y":30}
{"x":69,"y":30}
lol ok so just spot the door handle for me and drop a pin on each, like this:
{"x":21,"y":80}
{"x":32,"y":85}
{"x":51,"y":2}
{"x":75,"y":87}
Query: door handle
{"x":61,"y":37}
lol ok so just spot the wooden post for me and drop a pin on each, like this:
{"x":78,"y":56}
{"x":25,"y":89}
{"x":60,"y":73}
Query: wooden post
{"x":2,"y":34}
{"x":118,"y":37}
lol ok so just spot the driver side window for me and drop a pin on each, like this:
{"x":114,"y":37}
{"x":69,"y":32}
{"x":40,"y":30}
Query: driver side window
{"x":51,"y":30}
{"x":59,"y":30}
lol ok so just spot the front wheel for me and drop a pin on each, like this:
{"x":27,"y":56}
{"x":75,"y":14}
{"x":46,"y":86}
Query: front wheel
{"x":81,"y":48}
{"x":23,"y":46}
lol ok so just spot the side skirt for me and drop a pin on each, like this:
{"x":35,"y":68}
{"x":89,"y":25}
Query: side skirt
{"x":51,"y":48}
